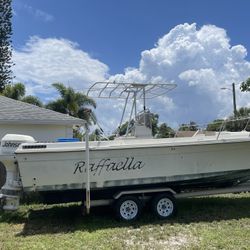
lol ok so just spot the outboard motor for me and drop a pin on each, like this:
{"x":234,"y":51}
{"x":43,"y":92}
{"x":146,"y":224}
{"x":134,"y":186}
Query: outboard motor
{"x":10,"y":182}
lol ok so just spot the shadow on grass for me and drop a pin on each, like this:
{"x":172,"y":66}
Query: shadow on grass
{"x":68,"y":218}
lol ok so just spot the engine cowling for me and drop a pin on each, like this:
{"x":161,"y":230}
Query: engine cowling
{"x":10,"y":184}
{"x":11,"y":142}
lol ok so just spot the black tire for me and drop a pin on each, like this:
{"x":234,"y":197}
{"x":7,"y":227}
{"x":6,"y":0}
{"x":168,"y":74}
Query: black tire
{"x":3,"y":174}
{"x":164,"y":206}
{"x":128,"y":208}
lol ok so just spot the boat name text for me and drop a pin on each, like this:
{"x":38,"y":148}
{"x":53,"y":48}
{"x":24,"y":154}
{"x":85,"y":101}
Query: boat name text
{"x":108,"y":165}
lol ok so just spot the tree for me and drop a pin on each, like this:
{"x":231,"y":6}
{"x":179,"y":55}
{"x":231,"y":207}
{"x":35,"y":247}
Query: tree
{"x":154,"y":119}
{"x":73,"y":103}
{"x":154,"y":123}
{"x":5,"y":43}
{"x":243,"y":112}
{"x":165,"y":131}
{"x":32,"y":100}
{"x":192,"y":126}
{"x":123,"y":128}
{"x":96,"y":135}
{"x":215,"y":125}
{"x":57,"y":105}
{"x":17,"y":92}
{"x":245,"y":86}
{"x":241,"y":122}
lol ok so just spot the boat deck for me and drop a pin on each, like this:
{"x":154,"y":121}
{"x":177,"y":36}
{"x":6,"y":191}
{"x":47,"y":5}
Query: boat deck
{"x":132,"y":142}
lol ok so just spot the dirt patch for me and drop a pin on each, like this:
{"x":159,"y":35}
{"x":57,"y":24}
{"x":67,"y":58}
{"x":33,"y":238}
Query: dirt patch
{"x":179,"y":241}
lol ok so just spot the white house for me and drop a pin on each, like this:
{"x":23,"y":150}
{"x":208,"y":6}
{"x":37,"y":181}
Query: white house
{"x":17,"y":117}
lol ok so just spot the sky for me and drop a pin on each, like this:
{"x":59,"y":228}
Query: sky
{"x":202,"y":46}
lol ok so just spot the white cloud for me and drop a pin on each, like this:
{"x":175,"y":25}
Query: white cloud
{"x":42,"y":62}
{"x":37,"y":13}
{"x":200,"y":61}
{"x":43,"y":15}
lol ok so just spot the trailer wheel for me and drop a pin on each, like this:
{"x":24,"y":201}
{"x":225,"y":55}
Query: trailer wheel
{"x":128,"y":208}
{"x":164,"y":206}
{"x":3,"y":174}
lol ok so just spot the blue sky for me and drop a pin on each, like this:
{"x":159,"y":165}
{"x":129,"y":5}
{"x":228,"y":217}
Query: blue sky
{"x":113,"y":37}
{"x":116,"y":31}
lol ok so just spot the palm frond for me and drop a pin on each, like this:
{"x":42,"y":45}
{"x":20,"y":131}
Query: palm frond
{"x":60,"y":88}
{"x":58,"y":105}
{"x":84,"y":100}
{"x":87,"y":115}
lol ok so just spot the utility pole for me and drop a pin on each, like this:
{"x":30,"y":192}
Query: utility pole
{"x":234,"y":100}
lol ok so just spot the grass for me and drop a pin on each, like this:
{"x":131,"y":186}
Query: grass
{"x":218,"y":222}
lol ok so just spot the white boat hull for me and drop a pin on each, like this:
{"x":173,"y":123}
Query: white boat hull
{"x":206,"y":163}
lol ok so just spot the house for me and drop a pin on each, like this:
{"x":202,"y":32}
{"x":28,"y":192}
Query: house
{"x":18,"y":117}
{"x":189,"y":133}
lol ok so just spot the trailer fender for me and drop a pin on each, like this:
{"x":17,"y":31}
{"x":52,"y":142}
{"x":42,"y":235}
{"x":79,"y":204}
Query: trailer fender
{"x":143,"y":191}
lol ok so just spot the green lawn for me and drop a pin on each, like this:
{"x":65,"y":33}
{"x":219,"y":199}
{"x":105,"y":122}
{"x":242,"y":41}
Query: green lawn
{"x":221,"y":222}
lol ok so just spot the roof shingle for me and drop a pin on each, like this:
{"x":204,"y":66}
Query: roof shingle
{"x":13,"y":111}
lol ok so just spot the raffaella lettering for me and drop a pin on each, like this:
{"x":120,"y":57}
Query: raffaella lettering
{"x":108,"y":165}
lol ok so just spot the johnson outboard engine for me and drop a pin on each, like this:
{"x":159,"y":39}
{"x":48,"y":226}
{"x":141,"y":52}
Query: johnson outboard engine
{"x":10,"y":182}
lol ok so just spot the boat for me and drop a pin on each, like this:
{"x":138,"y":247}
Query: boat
{"x":132,"y":164}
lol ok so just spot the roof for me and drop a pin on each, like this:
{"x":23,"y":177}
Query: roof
{"x":13,"y":111}
{"x":185,"y":133}
{"x":188,"y":133}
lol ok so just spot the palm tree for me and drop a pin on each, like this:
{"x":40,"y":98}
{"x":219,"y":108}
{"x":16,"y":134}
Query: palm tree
{"x":17,"y":92}
{"x":245,"y":86}
{"x":73,"y":103}
{"x":32,"y":100}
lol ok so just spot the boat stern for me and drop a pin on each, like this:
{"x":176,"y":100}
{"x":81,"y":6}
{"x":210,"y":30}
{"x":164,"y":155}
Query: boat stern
{"x":10,"y":185}
{"x":10,"y":181}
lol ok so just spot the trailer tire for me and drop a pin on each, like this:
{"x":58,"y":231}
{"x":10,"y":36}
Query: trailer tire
{"x":3,"y":174}
{"x":164,"y":206}
{"x":128,"y":208}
